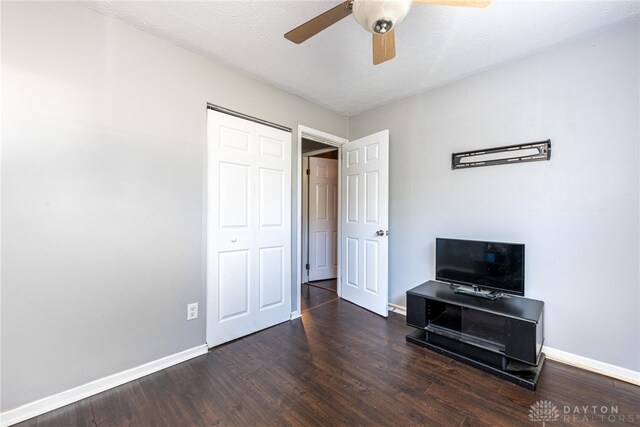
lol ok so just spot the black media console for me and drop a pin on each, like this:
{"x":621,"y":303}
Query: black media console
{"x":503,"y":337}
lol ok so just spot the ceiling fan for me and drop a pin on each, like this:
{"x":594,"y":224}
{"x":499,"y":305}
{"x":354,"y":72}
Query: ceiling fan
{"x":379,"y":17}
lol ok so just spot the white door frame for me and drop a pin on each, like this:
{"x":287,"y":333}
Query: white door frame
{"x":320,"y":151}
{"x":334,"y":141}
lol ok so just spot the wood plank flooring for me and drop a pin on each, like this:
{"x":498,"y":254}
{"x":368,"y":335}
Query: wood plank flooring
{"x":338,"y":365}
{"x":330,"y":284}
{"x":317,"y":294}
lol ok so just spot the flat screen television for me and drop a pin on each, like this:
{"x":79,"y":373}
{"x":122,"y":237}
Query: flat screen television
{"x":493,"y":266}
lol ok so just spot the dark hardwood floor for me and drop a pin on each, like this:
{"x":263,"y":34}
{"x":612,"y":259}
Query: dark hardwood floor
{"x":330,"y":284}
{"x":338,"y":365}
{"x":317,"y":294}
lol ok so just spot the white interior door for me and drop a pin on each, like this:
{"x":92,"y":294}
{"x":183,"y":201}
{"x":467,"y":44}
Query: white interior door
{"x":365,"y":221}
{"x":248,"y":227}
{"x":323,"y":218}
{"x":304,"y":231}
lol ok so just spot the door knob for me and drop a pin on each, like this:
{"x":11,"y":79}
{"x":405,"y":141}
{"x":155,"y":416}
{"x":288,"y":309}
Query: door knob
{"x":380,"y":233}
{"x":234,"y":239}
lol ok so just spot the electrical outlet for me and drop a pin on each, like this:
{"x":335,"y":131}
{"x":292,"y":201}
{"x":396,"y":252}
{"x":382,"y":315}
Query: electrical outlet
{"x":192,"y":311}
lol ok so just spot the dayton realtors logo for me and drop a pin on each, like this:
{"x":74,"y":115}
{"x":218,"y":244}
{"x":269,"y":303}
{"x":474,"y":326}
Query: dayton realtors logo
{"x":545,"y":411}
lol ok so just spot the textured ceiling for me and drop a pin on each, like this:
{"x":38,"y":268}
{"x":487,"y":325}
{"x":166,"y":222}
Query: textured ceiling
{"x":434,"y":44}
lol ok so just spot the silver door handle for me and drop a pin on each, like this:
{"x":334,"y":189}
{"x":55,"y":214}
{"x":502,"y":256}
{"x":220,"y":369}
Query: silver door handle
{"x":234,"y":239}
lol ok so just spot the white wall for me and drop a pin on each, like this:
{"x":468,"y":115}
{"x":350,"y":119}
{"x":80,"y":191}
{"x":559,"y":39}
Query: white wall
{"x":577,"y":214}
{"x":103,"y":138}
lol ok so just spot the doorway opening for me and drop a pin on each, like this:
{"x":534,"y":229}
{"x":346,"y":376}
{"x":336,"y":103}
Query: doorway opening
{"x":362,"y":210}
{"x":320,"y":217}
{"x":319,"y":153}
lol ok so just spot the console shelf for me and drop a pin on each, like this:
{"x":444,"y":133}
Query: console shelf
{"x":503,"y":337}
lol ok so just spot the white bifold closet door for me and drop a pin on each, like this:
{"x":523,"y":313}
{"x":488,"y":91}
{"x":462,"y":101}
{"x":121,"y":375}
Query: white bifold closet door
{"x":248,"y":227}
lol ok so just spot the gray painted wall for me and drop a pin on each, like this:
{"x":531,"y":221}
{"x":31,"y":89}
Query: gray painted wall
{"x":577,"y":214}
{"x":103,"y":163}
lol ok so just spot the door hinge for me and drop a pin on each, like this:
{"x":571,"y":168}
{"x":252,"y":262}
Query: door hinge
{"x":308,"y":172}
{"x":307,"y":266}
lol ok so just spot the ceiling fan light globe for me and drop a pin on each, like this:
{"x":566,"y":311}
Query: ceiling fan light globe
{"x":379,"y":16}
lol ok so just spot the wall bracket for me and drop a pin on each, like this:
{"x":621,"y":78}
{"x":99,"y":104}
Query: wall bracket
{"x":519,"y":153}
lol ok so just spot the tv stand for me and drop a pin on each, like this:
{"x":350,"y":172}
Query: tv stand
{"x":502,"y":336}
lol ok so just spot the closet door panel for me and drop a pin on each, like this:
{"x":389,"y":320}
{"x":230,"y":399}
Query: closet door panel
{"x":248,"y":227}
{"x":273,"y":232}
{"x":230,"y":222}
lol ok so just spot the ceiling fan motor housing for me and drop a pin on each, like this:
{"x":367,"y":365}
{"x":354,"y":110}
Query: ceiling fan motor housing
{"x":380,"y":16}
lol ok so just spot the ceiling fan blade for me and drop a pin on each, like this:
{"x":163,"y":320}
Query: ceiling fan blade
{"x":464,"y":3}
{"x":319,"y":23}
{"x":384,"y":47}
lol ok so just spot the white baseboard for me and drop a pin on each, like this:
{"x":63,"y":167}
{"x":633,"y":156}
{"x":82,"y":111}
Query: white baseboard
{"x":397,"y":309}
{"x":592,"y":365}
{"x":603,"y":368}
{"x":59,"y":400}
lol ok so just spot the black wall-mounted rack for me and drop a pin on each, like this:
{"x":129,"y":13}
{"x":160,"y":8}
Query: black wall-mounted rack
{"x":519,"y":153}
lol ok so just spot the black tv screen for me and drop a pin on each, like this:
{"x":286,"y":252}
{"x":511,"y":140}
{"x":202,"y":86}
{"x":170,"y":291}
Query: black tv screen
{"x":488,"y":265}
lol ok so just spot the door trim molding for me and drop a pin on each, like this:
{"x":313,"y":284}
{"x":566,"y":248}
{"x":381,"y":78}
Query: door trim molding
{"x":318,"y":152}
{"x":334,"y":141}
